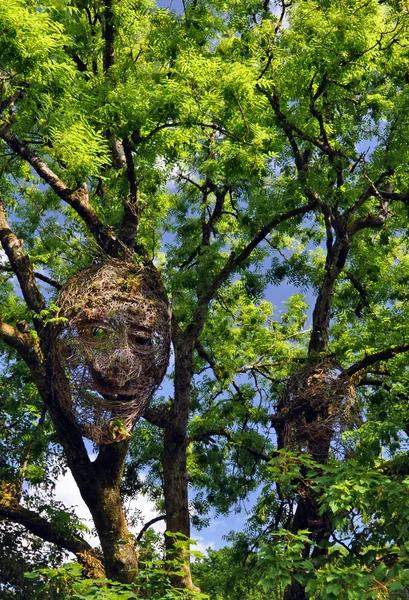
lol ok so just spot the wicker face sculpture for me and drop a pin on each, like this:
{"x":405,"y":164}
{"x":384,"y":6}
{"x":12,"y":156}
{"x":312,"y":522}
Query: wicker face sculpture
{"x":114,"y":345}
{"x":319,"y":402}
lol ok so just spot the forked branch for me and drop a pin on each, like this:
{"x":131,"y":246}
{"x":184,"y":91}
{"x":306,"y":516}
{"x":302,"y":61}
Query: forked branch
{"x":235,"y":260}
{"x":77,"y":198}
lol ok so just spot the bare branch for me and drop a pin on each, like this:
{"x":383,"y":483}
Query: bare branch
{"x":149,"y":524}
{"x":40,"y":276}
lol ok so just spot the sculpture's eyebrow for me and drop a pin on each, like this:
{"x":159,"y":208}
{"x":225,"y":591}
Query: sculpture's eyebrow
{"x":94,"y":323}
{"x":135,"y":328}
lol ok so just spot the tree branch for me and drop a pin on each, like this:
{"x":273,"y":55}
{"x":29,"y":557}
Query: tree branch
{"x":41,"y":527}
{"x":316,"y":113}
{"x":335,"y":261}
{"x":337,"y":253}
{"x":402,"y":197}
{"x":301,"y":161}
{"x":21,"y":266}
{"x":290,"y":129}
{"x":108,"y":33}
{"x":367,"y":222}
{"x":234,"y":260}
{"x":386,"y":354}
{"x":200,"y":437}
{"x":23,"y":343}
{"x":137,"y":138}
{"x":361,"y":291}
{"x":149,"y":524}
{"x":158,"y":416}
{"x":40,"y":276}
{"x":371,"y":190}
{"x":370,"y":382}
{"x":77,"y":199}
{"x":130,"y":219}
{"x":208,"y":226}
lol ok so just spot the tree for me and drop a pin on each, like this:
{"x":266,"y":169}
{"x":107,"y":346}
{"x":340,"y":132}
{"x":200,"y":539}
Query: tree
{"x":225,"y":148}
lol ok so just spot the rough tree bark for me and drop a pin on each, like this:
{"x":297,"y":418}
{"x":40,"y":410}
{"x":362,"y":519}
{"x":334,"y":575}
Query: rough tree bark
{"x":174,"y":451}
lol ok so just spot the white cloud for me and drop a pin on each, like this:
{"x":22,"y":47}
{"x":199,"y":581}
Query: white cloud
{"x":201,"y":545}
{"x":67,"y":492}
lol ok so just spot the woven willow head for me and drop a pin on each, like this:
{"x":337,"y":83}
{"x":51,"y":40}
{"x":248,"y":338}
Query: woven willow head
{"x":114,"y":345}
{"x":318,"y":404}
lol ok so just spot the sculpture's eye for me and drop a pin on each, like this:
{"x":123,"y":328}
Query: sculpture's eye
{"x":141,"y":341}
{"x":141,"y":337}
{"x":96,"y":334}
{"x":99,"y":333}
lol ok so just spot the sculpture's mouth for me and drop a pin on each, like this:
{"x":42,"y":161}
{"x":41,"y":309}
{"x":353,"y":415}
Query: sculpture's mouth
{"x":112,"y":382}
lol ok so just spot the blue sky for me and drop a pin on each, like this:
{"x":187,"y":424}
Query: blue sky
{"x":176,"y":5}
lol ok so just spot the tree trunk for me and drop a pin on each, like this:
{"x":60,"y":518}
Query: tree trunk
{"x":98,"y":481}
{"x":321,"y":317}
{"x":307,"y":514}
{"x":295,"y":591}
{"x":105,"y":505}
{"x":174,"y":456}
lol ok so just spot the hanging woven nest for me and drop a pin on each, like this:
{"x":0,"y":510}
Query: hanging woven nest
{"x":113,"y":345}
{"x":318,"y":403}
